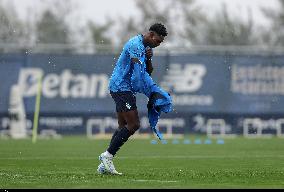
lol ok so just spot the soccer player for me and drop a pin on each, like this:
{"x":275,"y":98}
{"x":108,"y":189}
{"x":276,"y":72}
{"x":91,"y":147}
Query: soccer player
{"x":134,"y":62}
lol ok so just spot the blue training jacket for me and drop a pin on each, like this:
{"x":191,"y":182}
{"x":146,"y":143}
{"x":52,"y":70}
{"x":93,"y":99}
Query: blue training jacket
{"x":159,"y":100}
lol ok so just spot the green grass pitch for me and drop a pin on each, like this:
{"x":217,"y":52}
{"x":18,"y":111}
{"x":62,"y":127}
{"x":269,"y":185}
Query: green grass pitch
{"x":71,"y":162}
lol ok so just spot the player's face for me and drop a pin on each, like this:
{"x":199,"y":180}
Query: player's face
{"x":155,"y":40}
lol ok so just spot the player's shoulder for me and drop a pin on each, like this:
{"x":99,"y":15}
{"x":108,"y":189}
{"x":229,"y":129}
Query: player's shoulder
{"x":135,"y":42}
{"x":136,"y":38}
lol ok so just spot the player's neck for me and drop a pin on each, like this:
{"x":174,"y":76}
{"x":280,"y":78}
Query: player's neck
{"x":144,"y":40}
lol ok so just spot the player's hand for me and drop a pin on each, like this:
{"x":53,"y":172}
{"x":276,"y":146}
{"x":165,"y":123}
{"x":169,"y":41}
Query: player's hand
{"x":149,"y":53}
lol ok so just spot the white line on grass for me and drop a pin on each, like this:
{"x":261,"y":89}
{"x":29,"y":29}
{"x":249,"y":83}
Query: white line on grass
{"x":201,"y":157}
{"x":152,"y":157}
{"x":151,"y":180}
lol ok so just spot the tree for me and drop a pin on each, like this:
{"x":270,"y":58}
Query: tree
{"x":183,"y":19}
{"x":189,"y":25}
{"x":275,"y":34}
{"x":52,"y":26}
{"x":12,"y":28}
{"x":224,"y":30}
{"x":150,"y":12}
{"x":100,"y":37}
{"x":51,"y":29}
{"x":191,"y":19}
{"x":127,"y":28}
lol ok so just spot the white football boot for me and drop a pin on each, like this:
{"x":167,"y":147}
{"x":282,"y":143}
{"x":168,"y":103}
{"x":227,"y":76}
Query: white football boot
{"x":101,"y":169}
{"x":108,"y":164}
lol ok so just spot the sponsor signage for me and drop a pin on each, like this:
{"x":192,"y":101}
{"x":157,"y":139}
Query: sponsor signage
{"x":76,"y":87}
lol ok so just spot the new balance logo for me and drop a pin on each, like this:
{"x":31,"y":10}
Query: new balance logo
{"x":184,"y":78}
{"x":128,"y":106}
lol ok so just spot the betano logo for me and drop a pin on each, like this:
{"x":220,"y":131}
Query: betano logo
{"x":64,"y":85}
{"x":185,"y":79}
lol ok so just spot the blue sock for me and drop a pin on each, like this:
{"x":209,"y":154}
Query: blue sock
{"x":119,"y":139}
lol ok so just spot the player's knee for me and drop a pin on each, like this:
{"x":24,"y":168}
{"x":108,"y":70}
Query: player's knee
{"x":121,"y":124}
{"x":134,"y":127}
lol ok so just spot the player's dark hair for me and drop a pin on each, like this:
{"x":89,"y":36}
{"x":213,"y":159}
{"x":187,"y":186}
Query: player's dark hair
{"x":159,"y":28}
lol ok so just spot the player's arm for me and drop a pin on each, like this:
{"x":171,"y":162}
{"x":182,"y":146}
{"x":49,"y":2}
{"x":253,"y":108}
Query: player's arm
{"x":135,"y":61}
{"x":137,"y":66}
{"x":137,"y":56}
{"x":136,"y":77}
{"x":149,"y":65}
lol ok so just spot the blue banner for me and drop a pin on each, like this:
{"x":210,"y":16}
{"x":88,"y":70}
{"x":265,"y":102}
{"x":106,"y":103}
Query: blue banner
{"x":75,"y":87}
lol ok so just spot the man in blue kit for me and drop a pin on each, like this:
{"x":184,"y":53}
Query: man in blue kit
{"x":131,"y":75}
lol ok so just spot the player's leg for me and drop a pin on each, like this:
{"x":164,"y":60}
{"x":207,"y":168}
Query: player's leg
{"x":133,"y":123}
{"x":121,"y":120}
{"x":121,"y":123}
{"x":132,"y":120}
{"x":127,"y":114}
{"x":118,"y":139}
{"x":126,"y":109}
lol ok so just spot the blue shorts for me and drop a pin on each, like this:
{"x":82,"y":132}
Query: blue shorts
{"x":125,"y":101}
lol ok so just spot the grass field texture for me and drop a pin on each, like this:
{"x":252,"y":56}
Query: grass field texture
{"x":71,"y":162}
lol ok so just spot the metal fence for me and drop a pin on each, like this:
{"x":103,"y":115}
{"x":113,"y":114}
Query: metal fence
{"x":108,"y":49}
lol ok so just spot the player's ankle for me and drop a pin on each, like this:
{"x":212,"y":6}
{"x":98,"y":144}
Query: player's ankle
{"x":107,"y":154}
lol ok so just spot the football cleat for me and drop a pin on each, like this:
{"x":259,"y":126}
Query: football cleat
{"x":108,"y":164}
{"x":101,"y":169}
